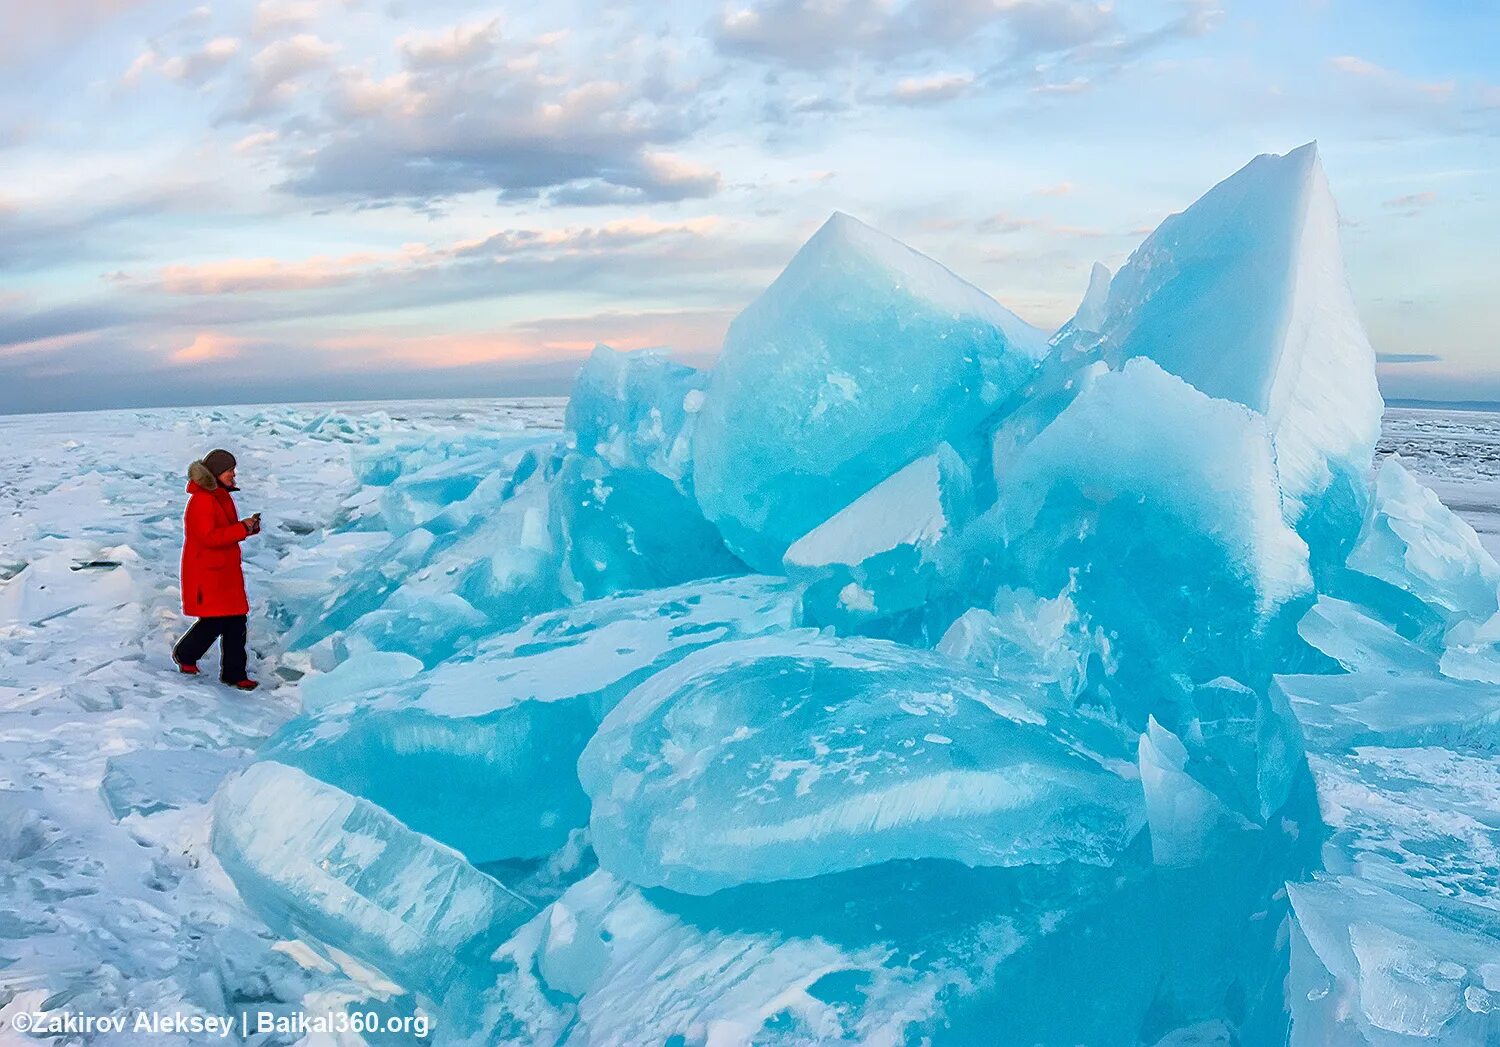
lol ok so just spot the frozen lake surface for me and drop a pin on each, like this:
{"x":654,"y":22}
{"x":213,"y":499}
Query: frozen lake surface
{"x":110,"y":898}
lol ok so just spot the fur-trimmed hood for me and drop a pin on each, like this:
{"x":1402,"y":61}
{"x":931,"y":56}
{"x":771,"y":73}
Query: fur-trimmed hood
{"x":198,"y":474}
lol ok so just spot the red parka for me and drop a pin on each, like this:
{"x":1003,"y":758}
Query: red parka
{"x":213,"y":583}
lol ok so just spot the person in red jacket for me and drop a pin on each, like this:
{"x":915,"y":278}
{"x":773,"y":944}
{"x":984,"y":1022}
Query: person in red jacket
{"x":213,"y":583}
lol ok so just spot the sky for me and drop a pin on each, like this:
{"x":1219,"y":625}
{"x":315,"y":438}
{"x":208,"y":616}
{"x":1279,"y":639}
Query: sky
{"x":291,"y":200}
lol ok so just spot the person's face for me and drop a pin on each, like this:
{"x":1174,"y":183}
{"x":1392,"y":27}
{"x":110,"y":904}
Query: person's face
{"x":227,"y":478}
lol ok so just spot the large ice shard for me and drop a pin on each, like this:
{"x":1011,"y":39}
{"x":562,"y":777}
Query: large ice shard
{"x":1377,"y":967}
{"x":1243,"y":295}
{"x":317,"y":863}
{"x":626,"y":529}
{"x":1358,"y":641}
{"x":790,"y":756}
{"x":637,"y":411}
{"x":861,"y":357}
{"x":481,"y":752}
{"x":878,"y":556}
{"x":1415,"y":543}
{"x":608,"y":964}
{"x":1093,"y":311}
{"x":1376,"y":708}
{"x":623,"y":503}
{"x":1183,"y":814}
{"x":492,"y":562}
{"x":1159,"y":507}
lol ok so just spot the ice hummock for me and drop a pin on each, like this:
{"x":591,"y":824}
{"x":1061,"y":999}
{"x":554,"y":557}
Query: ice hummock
{"x":876,"y":354}
{"x":1243,"y":295}
{"x":1176,"y":548}
{"x":1414,"y":543}
{"x":1093,"y":311}
{"x":481,"y":752}
{"x":1118,"y":670}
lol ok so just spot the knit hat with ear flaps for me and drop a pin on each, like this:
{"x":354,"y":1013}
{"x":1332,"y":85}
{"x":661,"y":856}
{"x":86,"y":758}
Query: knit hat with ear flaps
{"x":219,"y":461}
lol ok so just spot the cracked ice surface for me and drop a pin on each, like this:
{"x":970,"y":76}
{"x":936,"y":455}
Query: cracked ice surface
{"x":110,"y":897}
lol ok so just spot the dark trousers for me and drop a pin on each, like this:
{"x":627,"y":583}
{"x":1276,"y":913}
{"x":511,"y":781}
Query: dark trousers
{"x":229,"y":631}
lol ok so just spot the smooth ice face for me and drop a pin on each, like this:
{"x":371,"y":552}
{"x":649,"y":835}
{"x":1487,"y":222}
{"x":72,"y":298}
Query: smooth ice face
{"x":1358,"y":642}
{"x":1244,"y":296}
{"x":878,"y":555}
{"x":860,"y":358}
{"x":1159,"y":508}
{"x":319,"y":864}
{"x":625,"y":529}
{"x":1375,"y":967}
{"x":482,"y":753}
{"x":1203,"y":465}
{"x":790,"y":756}
{"x":1412,"y":541}
{"x":1376,"y":708}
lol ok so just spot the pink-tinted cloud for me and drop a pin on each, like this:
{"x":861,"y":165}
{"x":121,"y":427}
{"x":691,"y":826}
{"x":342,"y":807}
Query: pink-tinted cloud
{"x":256,"y":275}
{"x":207,"y":346}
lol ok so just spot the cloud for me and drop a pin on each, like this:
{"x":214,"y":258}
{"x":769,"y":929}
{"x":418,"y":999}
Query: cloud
{"x":207,"y":346}
{"x":1354,"y":66}
{"x":91,"y":221}
{"x":1411,"y":204}
{"x":819,"y":34}
{"x":1406,"y":358}
{"x":192,"y":67}
{"x":930,"y":90}
{"x":690,"y":333}
{"x":1384,"y":92}
{"x":650,"y":178}
{"x":275,"y":74}
{"x":254,"y":276}
{"x":1005,"y":224}
{"x":466,"y":114}
{"x":459,"y":45}
{"x":273,"y":17}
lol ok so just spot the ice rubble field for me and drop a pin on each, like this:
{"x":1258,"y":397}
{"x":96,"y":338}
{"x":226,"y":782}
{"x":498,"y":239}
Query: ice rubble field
{"x":912,"y":676}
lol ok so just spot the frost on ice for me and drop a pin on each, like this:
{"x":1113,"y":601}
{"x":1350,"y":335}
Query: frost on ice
{"x":1094,"y":690}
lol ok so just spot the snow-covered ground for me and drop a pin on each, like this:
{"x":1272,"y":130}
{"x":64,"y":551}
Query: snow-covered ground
{"x":110,"y":900}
